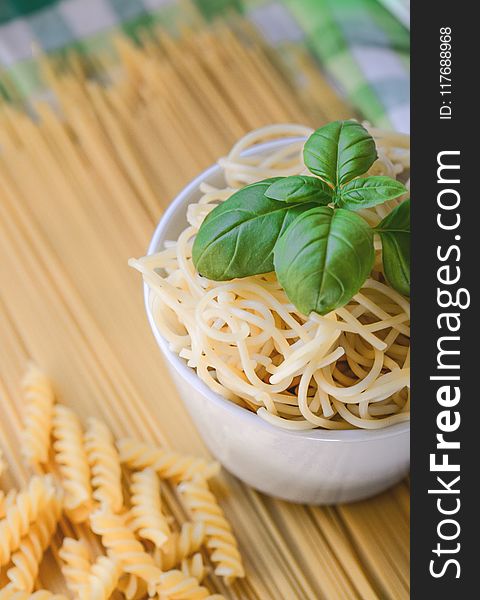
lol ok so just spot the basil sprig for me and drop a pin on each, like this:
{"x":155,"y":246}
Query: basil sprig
{"x":307,"y":229}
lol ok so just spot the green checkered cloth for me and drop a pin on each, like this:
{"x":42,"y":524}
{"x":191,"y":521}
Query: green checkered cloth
{"x":358,"y":43}
{"x":365,"y":50}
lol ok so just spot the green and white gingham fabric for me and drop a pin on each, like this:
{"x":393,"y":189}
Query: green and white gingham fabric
{"x":365,"y":50}
{"x":361,"y":46}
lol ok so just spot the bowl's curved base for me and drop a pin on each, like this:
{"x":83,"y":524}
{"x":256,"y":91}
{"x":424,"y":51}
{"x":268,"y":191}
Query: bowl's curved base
{"x":331,"y":468}
{"x":319,"y":495}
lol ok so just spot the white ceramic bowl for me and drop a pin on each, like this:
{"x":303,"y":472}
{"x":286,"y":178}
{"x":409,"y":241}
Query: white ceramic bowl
{"x":314,"y":467}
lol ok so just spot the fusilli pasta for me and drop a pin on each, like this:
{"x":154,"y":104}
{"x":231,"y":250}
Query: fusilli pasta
{"x":22,"y":513}
{"x":147,"y":518}
{"x":40,"y":398}
{"x":90,"y":471}
{"x":104,"y":464}
{"x":8,"y":593}
{"x":122,"y":545}
{"x":132,"y":587}
{"x":71,"y":457}
{"x":27,"y":558}
{"x":2,"y":462}
{"x":174,"y":585}
{"x":102,"y":579}
{"x":77,"y":561}
{"x":181,"y":545}
{"x":221,"y":543}
{"x":194,"y":567}
{"x":6,"y":500}
{"x":168,"y":464}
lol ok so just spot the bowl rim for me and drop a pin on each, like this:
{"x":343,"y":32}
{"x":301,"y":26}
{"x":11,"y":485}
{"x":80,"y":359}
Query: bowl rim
{"x":189,"y":374}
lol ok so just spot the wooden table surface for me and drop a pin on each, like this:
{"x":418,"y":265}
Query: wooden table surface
{"x":82,"y":192}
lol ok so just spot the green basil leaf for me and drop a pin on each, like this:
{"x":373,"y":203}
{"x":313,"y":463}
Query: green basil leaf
{"x":301,"y":188}
{"x":237,"y":237}
{"x":339,"y":151}
{"x":394,"y":231}
{"x":323,"y":258}
{"x":368,"y":191}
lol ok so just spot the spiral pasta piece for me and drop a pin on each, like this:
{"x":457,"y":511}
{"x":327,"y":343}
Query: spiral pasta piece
{"x":72,"y":459}
{"x":27,"y":558}
{"x":2,"y":504}
{"x":221,"y":543}
{"x":105,"y":466}
{"x":194,"y":567}
{"x":22,"y":513}
{"x":40,"y":398}
{"x":6,"y":500}
{"x":122,"y":545}
{"x":175,"y":585}
{"x":2,"y":462}
{"x":182,"y":545}
{"x":102,"y":579}
{"x":76,"y":563}
{"x":147,"y":518}
{"x":9,"y":593}
{"x":168,"y":464}
{"x":132,"y":587}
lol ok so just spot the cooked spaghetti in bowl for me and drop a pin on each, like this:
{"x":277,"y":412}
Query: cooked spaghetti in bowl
{"x":249,"y":343}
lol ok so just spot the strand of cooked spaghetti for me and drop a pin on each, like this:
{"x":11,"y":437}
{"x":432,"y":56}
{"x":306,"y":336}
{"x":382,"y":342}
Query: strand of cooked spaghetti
{"x":251,"y":345}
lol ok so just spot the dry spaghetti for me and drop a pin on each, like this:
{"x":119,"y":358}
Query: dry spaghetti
{"x":245,"y":339}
